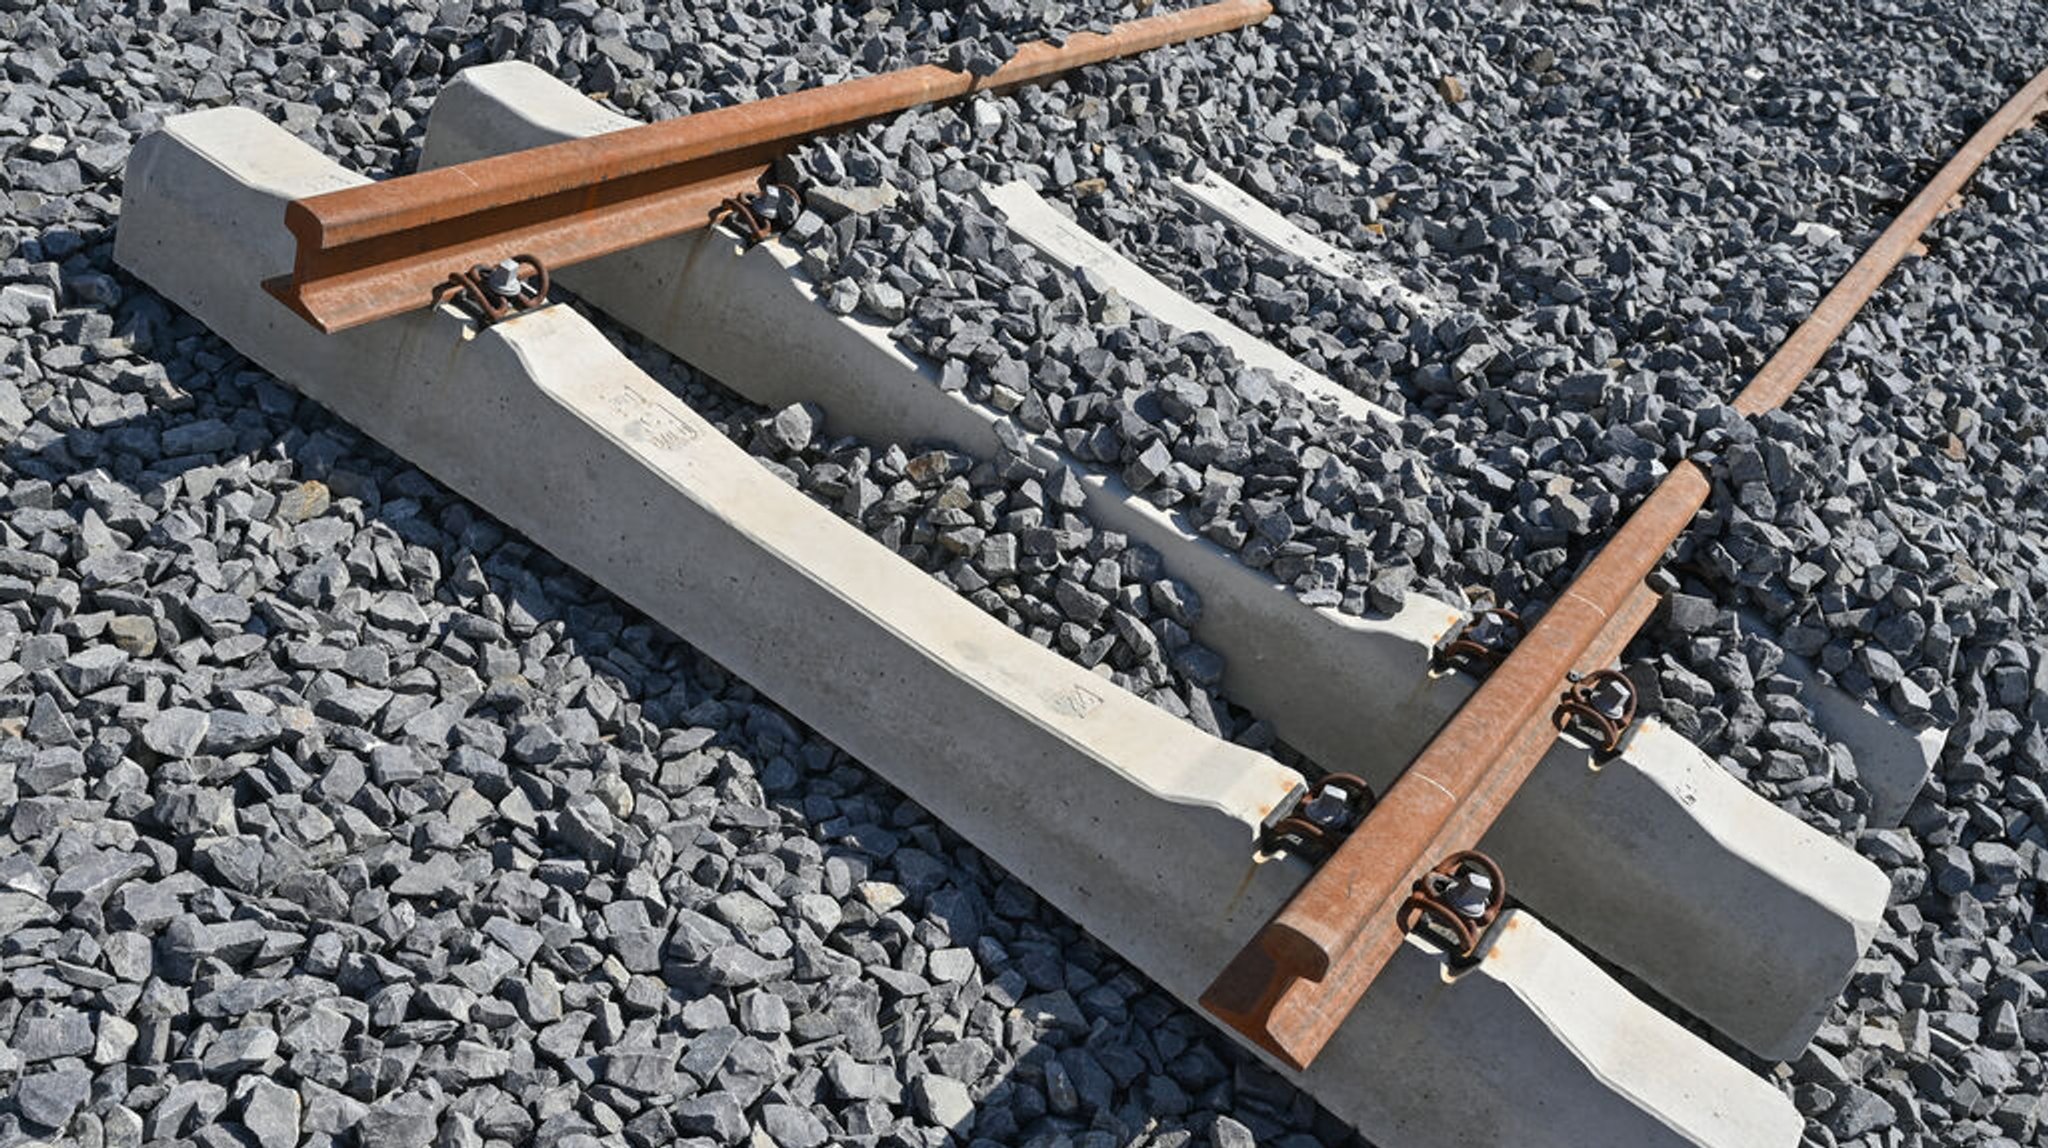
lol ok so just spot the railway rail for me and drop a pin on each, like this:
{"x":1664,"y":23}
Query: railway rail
{"x":1202,"y":862}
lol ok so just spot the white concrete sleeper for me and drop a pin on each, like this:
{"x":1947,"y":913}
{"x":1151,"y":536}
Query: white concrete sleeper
{"x":1893,"y":761}
{"x":1133,"y":823}
{"x":1068,"y":245}
{"x":1220,"y":199}
{"x":1659,"y":860}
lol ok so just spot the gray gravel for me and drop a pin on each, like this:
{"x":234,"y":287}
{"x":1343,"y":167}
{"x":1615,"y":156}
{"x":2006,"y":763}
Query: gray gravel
{"x":331,"y":808}
{"x":1013,"y":539}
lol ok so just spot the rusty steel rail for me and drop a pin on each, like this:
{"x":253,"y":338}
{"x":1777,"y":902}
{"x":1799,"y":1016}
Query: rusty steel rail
{"x":370,"y":252}
{"x":1291,"y":987}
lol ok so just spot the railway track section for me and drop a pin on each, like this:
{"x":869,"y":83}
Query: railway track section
{"x":1169,"y":844}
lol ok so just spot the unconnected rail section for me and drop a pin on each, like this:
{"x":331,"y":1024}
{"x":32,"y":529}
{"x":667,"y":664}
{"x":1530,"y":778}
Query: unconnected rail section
{"x":363,"y":252}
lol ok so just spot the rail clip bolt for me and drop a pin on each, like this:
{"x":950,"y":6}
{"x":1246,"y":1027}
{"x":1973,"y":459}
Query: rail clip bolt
{"x":1466,"y":892}
{"x":1338,"y":802}
{"x":1614,"y":697}
{"x":503,"y":280}
{"x":1458,"y":901}
{"x":1604,"y":703}
{"x":1325,"y":816}
{"x":1487,"y":638}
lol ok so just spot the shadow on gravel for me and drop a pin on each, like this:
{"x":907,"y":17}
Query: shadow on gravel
{"x":435,"y":834}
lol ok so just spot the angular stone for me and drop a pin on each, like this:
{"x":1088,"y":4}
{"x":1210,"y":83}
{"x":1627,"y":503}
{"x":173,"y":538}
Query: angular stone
{"x":306,"y":500}
{"x":271,"y":1112}
{"x":133,"y":634}
{"x":22,"y":305}
{"x":219,"y":614}
{"x":854,"y":1080}
{"x":648,"y":1071}
{"x":942,"y":1101}
{"x":737,"y":966}
{"x":92,"y":668}
{"x":18,"y":910}
{"x":206,"y":436}
{"x":792,"y":1127}
{"x":1228,"y":1133}
{"x":718,"y":1115}
{"x":399,"y":1122}
{"x":41,"y":1036}
{"x":839,"y":202}
{"x":51,"y":1099}
{"x":239,"y":1050}
{"x":177,"y":732}
{"x":744,"y":912}
{"x":1859,"y":1111}
{"x":763,"y":1013}
{"x":437,"y":876}
{"x":232,"y":731}
{"x":116,"y":1036}
{"x":587,"y":826}
{"x":1689,"y":614}
{"x":93,"y":878}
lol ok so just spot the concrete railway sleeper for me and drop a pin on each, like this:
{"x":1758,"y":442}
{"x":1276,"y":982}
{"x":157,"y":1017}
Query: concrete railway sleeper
{"x":1659,"y":860}
{"x":542,"y":422}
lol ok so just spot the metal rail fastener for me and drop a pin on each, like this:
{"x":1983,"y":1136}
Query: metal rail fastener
{"x":1602,"y":703}
{"x":1485,"y":638}
{"x":490,"y":294}
{"x":1325,"y":816}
